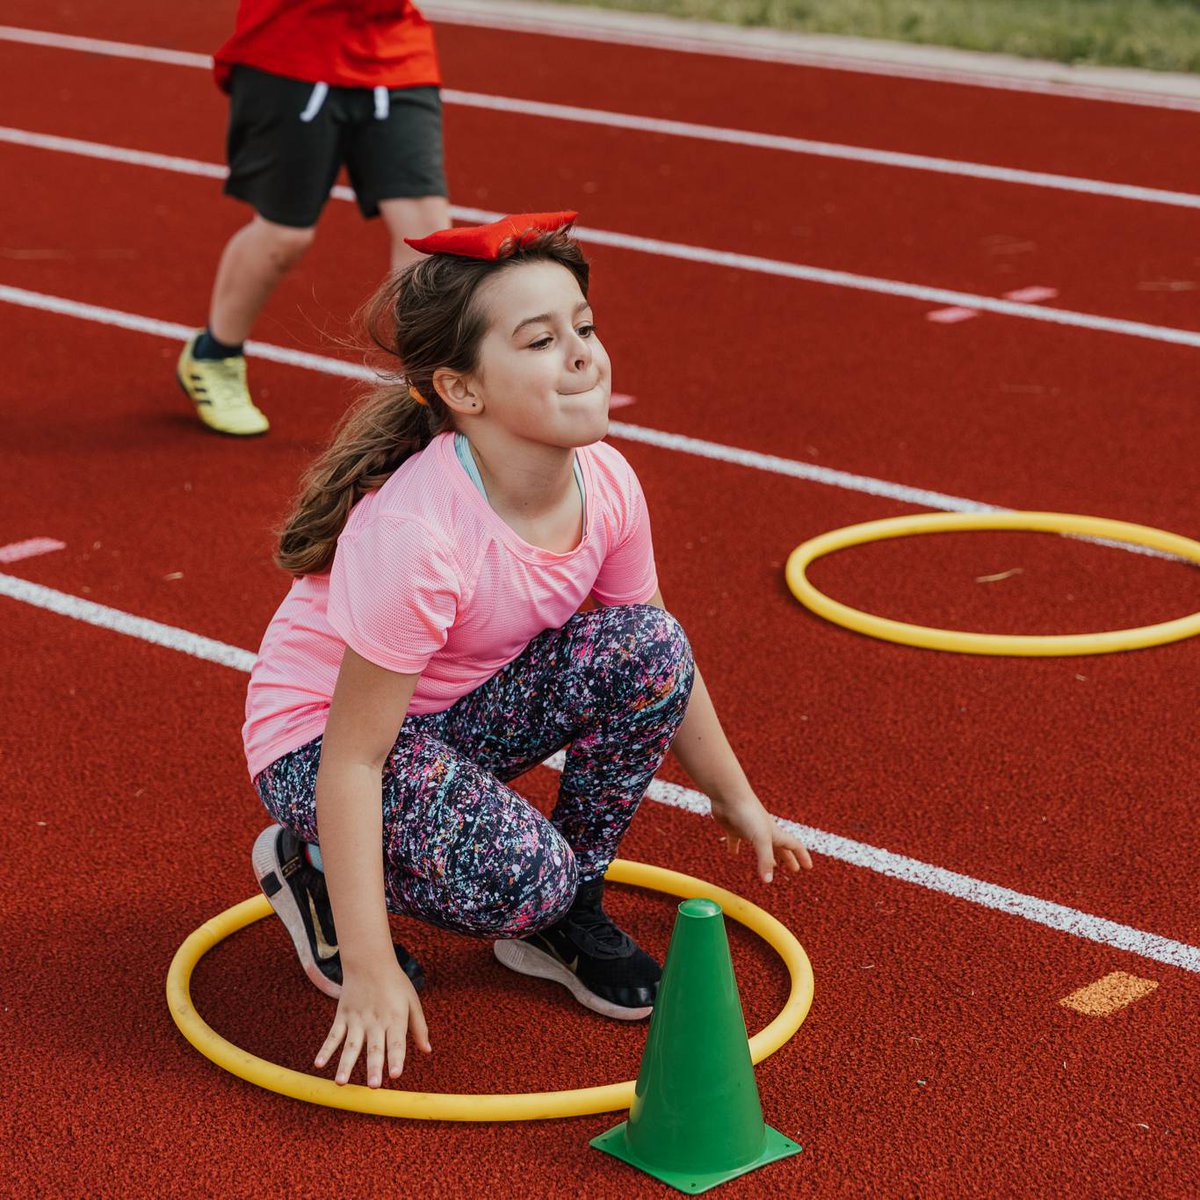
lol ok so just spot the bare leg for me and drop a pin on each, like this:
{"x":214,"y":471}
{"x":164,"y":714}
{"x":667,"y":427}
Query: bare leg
{"x":255,"y":259}
{"x":412,"y":218}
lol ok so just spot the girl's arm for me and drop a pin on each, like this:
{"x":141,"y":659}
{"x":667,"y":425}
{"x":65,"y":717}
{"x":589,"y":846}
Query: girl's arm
{"x":378,"y":1004}
{"x":703,"y":749}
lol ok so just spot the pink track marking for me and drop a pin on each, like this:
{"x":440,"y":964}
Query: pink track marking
{"x":1031,"y":295}
{"x":1025,"y":295}
{"x":950,"y":316}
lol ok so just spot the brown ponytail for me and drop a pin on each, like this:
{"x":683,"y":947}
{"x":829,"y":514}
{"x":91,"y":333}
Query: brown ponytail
{"x":425,"y":318}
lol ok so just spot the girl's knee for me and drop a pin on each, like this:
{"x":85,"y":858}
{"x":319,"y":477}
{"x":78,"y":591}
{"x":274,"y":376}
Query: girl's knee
{"x":666,"y":638}
{"x":654,"y":649}
{"x":522,"y":893}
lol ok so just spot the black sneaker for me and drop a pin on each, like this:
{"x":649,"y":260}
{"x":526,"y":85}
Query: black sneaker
{"x":297,"y":892}
{"x":603,"y":967}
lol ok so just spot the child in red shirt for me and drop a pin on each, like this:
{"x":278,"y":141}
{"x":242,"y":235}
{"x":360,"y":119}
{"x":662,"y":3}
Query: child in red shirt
{"x":313,"y":84}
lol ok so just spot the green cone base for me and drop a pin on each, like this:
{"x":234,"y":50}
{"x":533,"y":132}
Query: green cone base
{"x":777,"y":1146}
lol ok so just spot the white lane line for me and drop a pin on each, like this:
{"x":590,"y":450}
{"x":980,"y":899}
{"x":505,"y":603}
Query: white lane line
{"x":890,"y":287}
{"x":104,"y":617}
{"x":88,"y":45}
{"x":29,"y":548}
{"x":791,"y":468}
{"x":684,"y":129}
{"x":811,"y":473}
{"x":116,"y":154}
{"x":832,"y":150}
{"x":794,"y":469}
{"x":873,"y":858}
{"x":951,"y":883}
{"x":1034,"y":294}
{"x":682,"y":443}
{"x":679,"y":442}
{"x":819,"y":149}
{"x":937,"y":64}
{"x":173,"y":331}
{"x":676,"y":250}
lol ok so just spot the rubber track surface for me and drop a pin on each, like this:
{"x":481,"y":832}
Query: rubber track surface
{"x":936,"y":1061}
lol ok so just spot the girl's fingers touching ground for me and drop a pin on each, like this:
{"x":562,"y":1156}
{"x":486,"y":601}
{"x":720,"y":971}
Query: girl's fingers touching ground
{"x":397,"y":1048}
{"x":350,"y":1052}
{"x":331,"y":1043}
{"x":375,"y":1050}
{"x":420,"y":1031}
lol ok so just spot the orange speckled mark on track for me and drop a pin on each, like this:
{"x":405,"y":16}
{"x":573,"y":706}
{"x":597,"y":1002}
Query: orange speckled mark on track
{"x":1106,"y":996}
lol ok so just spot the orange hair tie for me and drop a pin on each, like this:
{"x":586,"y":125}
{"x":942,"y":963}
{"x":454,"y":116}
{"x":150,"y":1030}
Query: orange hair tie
{"x":412,"y":391}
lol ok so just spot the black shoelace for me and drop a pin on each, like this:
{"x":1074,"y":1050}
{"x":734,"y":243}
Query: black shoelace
{"x":592,"y":930}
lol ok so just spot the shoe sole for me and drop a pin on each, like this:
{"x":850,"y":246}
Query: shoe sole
{"x":288,"y":911}
{"x":212,"y":428}
{"x":529,"y":960}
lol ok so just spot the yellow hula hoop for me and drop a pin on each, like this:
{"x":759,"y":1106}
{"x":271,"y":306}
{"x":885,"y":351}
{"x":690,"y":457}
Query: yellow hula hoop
{"x":961,"y":642}
{"x":444,"y":1106}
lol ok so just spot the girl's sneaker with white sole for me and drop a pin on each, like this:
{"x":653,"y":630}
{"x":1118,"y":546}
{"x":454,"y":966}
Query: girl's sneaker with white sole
{"x":601,"y":965}
{"x":297,"y":892}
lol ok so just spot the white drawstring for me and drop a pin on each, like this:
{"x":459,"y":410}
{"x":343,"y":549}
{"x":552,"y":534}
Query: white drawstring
{"x":319,"y":92}
{"x":383,"y":102}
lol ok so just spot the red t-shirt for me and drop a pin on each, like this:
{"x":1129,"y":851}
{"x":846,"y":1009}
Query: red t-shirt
{"x":344,"y":43}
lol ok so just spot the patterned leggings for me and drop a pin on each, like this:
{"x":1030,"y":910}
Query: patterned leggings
{"x":464,"y":851}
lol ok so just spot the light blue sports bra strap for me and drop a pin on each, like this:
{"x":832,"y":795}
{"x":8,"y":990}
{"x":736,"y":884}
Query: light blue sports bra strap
{"x":463,"y":449}
{"x":578,"y":470}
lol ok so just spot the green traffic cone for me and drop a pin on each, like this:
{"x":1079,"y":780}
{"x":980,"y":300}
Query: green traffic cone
{"x":696,"y":1120}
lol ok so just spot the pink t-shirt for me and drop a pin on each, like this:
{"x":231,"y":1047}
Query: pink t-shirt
{"x":427,"y":580}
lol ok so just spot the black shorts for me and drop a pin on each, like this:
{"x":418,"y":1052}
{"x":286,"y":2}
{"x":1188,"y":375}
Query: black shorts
{"x":287,"y":140}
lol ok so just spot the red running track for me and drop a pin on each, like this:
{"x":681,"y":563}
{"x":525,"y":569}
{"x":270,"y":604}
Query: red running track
{"x":968,"y":234}
{"x":936,"y":1060}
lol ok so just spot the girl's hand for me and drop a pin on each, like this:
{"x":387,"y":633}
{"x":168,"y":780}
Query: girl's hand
{"x":375,"y":1012}
{"x":746,"y":820}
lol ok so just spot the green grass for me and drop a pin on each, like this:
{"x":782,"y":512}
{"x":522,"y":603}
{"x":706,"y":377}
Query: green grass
{"x":1162,"y":35}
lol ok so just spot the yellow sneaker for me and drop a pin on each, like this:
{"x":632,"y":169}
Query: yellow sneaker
{"x":217,"y":387}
